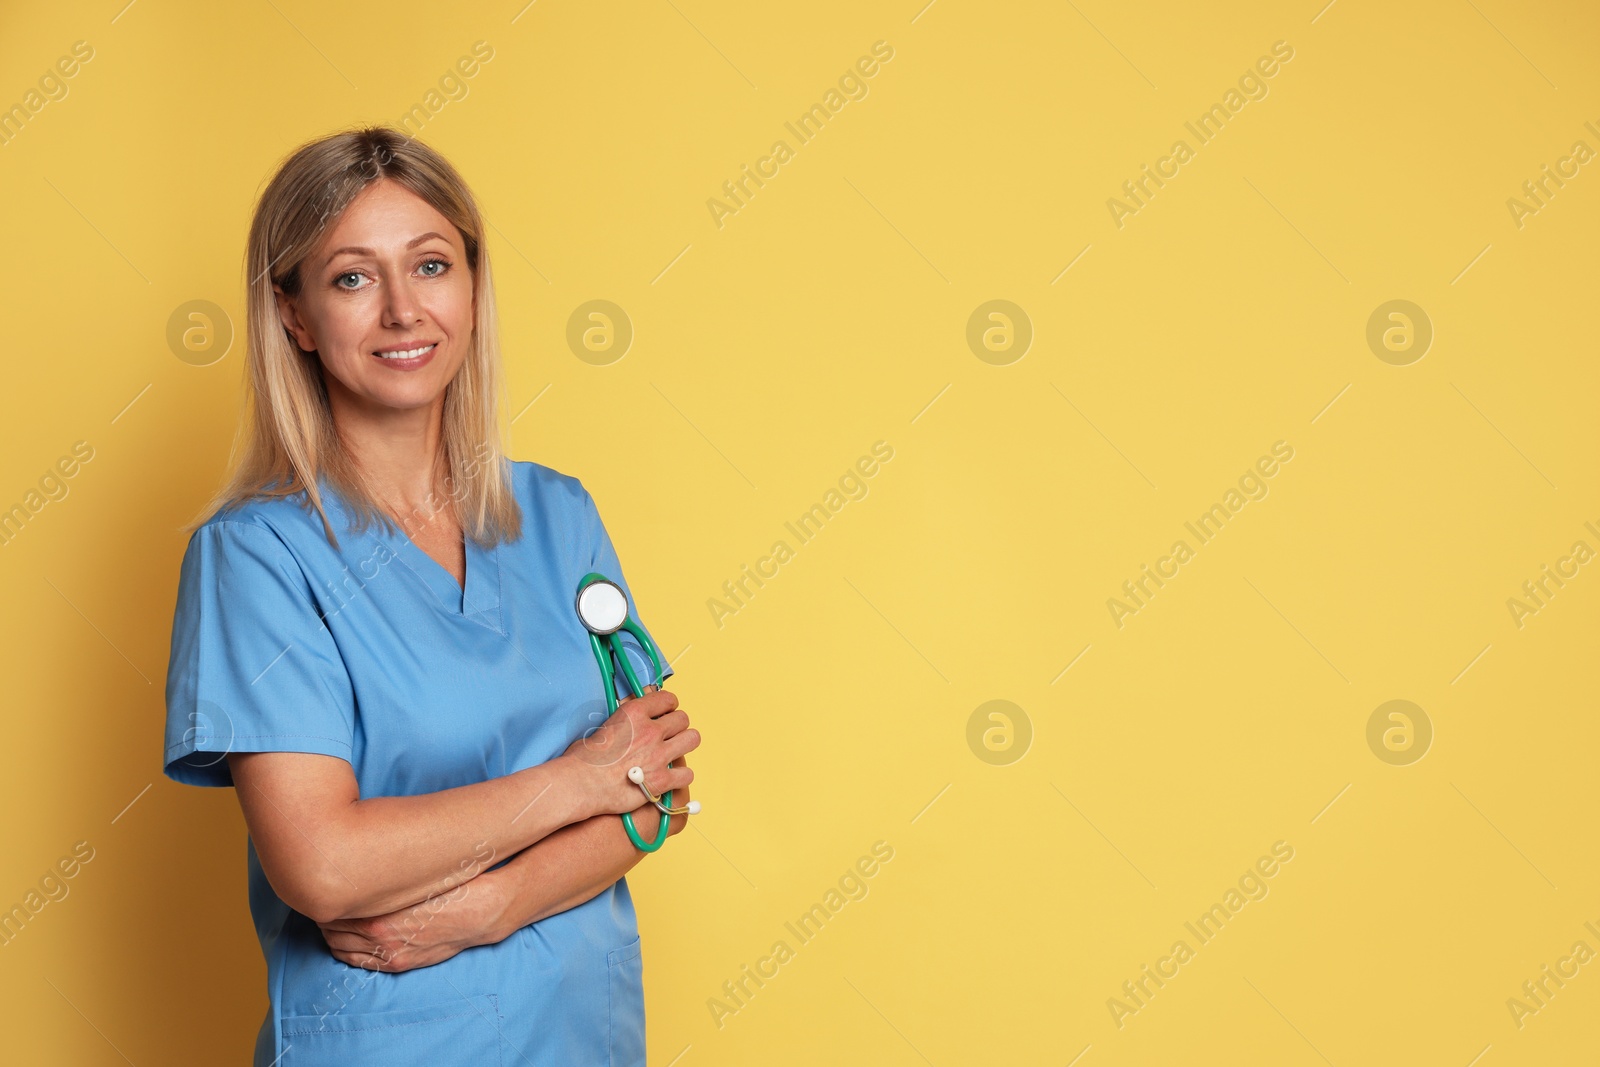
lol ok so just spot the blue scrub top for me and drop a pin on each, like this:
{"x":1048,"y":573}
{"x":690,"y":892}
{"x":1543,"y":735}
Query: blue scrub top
{"x":372,"y":653}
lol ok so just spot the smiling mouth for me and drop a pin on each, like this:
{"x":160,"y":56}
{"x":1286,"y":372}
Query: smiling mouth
{"x":408,"y":353}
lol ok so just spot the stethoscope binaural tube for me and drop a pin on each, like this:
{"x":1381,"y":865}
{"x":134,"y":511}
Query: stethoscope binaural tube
{"x":603,"y":609}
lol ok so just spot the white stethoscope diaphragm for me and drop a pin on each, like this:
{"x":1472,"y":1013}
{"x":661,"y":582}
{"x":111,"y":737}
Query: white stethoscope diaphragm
{"x":603,"y":607}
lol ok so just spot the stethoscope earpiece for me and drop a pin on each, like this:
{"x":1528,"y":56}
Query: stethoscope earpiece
{"x":636,"y":776}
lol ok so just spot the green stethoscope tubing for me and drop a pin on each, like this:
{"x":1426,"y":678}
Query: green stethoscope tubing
{"x":606,"y":647}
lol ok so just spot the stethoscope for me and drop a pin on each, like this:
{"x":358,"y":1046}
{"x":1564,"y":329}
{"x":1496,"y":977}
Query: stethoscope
{"x":603,"y":609}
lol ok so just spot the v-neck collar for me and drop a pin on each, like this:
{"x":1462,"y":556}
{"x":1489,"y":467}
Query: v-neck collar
{"x":478,"y":599}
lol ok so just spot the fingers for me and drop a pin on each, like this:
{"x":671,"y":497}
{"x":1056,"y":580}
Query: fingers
{"x":679,"y":777}
{"x":652,"y":704}
{"x":667,"y":779}
{"x":675,"y":749}
{"x":673,"y":723}
{"x":356,"y":949}
{"x":367,"y":961}
{"x":655,"y":732}
{"x":681,"y":744}
{"x":655,"y":715}
{"x":624,"y":698}
{"x":370,"y":944}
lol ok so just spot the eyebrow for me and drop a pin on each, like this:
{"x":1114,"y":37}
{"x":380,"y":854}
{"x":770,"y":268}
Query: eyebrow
{"x":414,"y":242}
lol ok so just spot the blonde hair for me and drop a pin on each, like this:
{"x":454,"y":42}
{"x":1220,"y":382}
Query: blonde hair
{"x":287,"y":437}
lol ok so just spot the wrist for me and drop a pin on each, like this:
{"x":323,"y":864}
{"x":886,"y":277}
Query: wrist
{"x":573,"y":787}
{"x":498,"y":919}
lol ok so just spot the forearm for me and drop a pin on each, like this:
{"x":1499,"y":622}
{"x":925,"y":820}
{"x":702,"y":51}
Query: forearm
{"x":374,"y":856}
{"x":413,"y":848}
{"x":331,"y":855}
{"x":571,"y":866}
{"x":561,"y":871}
{"x":575,"y":864}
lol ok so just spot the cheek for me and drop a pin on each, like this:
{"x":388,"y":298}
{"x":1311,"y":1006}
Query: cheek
{"x":453,"y":311}
{"x":339,"y":326}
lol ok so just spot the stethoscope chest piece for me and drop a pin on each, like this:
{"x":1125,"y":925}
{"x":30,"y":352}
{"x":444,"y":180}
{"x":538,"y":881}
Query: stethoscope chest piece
{"x":602,"y":606}
{"x":603,"y":610}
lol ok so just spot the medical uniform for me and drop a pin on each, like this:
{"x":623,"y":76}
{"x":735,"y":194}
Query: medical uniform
{"x":374,"y":654}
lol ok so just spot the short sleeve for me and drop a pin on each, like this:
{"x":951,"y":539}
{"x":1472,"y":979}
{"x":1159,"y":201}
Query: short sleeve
{"x":253,"y":667}
{"x":603,"y":560}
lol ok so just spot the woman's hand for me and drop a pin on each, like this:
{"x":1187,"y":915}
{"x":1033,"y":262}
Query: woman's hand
{"x":424,"y":934}
{"x":649,"y":732}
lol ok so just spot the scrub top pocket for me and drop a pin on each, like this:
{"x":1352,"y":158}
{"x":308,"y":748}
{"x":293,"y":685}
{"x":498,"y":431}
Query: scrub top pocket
{"x":465,"y":1030}
{"x":626,"y":969}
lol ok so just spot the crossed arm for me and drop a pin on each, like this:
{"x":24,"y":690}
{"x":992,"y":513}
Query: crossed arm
{"x":561,"y":871}
{"x":402,"y":882}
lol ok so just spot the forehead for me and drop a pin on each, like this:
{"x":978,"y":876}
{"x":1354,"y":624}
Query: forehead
{"x":383,"y":217}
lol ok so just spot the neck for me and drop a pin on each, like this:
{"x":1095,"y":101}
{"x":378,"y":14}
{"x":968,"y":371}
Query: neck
{"x":397,"y":449}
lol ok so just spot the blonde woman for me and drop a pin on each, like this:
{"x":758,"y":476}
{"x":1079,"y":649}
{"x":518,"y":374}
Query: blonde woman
{"x":375,"y":643}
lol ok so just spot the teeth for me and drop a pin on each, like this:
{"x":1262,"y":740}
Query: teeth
{"x":408,"y":354}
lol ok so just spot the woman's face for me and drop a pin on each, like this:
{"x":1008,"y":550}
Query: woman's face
{"x":391,"y":275}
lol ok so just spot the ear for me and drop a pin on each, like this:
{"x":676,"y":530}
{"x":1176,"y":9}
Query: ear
{"x":290,"y":317}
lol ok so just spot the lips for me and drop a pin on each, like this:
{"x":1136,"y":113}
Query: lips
{"x":407,"y":358}
{"x":412,"y":351}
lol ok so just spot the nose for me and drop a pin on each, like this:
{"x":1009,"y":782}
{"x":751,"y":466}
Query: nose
{"x":401,"y":307}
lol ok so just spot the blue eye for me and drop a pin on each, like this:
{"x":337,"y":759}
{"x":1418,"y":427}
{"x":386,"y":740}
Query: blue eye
{"x":347,"y":274}
{"x":445,"y":266}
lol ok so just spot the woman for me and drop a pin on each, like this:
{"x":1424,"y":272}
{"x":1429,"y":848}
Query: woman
{"x":410,"y":710}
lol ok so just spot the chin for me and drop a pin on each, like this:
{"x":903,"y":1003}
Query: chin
{"x":406,"y":400}
{"x":413,"y":403}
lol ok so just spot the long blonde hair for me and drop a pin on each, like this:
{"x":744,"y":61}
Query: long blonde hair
{"x":287,"y":437}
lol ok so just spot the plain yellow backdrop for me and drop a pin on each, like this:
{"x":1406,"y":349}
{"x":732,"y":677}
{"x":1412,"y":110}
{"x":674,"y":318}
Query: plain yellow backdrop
{"x":1159,"y":759}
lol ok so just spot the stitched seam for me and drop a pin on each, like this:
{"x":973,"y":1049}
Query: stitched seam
{"x":499,"y":1031}
{"x":391,"y":1026}
{"x":249,"y":737}
{"x":433,"y":597}
{"x":500,"y":591}
{"x":300,"y":570}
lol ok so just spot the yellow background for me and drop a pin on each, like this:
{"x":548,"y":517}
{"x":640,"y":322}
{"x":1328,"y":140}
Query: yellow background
{"x":769,"y":354}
